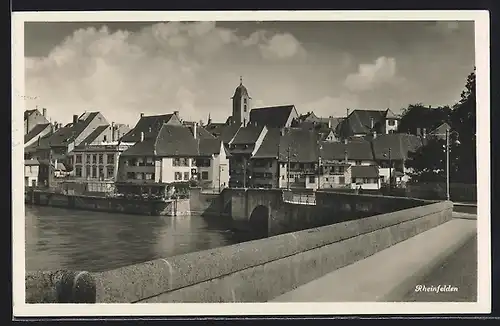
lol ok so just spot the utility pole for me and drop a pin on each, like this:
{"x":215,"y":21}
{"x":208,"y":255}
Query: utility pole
{"x":390,"y":171}
{"x":288,"y":168}
{"x":244,"y":172}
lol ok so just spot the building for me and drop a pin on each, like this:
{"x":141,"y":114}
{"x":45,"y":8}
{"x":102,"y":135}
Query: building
{"x":393,"y":150}
{"x":360,"y":123}
{"x":438,"y":133}
{"x":274,"y":116}
{"x":242,"y":148}
{"x":173,"y":155}
{"x":31,"y":169}
{"x":53,"y":150}
{"x":241,"y":105}
{"x":33,"y":118}
{"x":365,"y":177}
{"x":265,"y":170}
{"x":148,"y":127}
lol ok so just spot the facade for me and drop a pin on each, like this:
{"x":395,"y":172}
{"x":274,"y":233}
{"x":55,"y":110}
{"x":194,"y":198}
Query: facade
{"x":175,"y":155}
{"x":365,"y":177}
{"x":242,"y":148}
{"x":31,"y":170}
{"x":97,"y":162}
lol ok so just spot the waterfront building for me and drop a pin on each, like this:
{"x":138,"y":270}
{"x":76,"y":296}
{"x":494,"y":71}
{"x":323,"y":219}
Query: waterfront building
{"x":31,"y":169}
{"x":174,"y":155}
{"x":33,"y":118}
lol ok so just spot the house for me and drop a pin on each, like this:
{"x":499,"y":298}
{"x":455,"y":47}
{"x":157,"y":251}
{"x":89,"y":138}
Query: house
{"x":175,"y":154}
{"x":360,"y":123}
{"x":393,"y":150}
{"x":365,"y":177}
{"x":242,"y":147}
{"x":53,"y":150}
{"x":438,"y":133}
{"x":274,"y":116}
{"x":338,"y":158}
{"x":264,"y":163}
{"x":149,"y":126}
{"x":32,"y":118}
{"x":31,"y":169}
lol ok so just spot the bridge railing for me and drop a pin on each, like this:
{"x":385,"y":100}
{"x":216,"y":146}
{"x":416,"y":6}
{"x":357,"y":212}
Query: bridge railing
{"x":299,"y":198}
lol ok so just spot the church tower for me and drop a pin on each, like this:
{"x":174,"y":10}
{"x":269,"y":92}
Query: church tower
{"x":241,"y":104}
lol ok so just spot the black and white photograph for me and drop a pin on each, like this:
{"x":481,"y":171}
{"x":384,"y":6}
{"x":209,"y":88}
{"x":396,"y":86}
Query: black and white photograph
{"x":281,"y":163}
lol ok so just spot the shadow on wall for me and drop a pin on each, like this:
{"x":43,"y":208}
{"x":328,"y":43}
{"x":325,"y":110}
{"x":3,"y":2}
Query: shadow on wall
{"x":259,"y":221}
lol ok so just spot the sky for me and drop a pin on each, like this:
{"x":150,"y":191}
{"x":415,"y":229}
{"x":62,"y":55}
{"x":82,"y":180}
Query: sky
{"x":125,"y":68}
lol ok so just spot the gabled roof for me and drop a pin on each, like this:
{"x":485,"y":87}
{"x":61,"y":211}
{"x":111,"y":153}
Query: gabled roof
{"x":441,"y":129}
{"x":364,"y":171}
{"x":272,"y":117}
{"x":62,"y":136}
{"x":42,"y":144}
{"x":390,"y":115}
{"x":201,"y":132}
{"x":81,"y":124}
{"x":400,"y":145}
{"x":35,"y":131}
{"x":270,"y":144}
{"x":355,"y":151}
{"x":175,"y":141}
{"x":359,"y":121}
{"x":247,"y":135}
{"x":93,"y":135}
{"x":149,"y":125}
{"x":303,"y":145}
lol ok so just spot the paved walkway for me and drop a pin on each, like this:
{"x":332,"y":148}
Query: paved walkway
{"x":389,"y":274}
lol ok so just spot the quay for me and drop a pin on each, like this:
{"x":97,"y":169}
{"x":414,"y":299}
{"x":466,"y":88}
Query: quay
{"x":304,"y":243}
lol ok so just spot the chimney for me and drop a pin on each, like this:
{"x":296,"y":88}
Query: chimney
{"x":195,"y":125}
{"x":424,"y":133}
{"x":371,"y":123}
{"x":346,"y":158}
{"x":44,"y":112}
{"x":142,"y":114}
{"x":176,"y":113}
{"x":330,"y":123}
{"x":112,"y":131}
{"x":75,"y":118}
{"x":347,"y":112}
{"x":142,"y":136}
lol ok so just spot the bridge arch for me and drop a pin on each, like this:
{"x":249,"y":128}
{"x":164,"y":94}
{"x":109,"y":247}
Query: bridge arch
{"x":259,"y":219}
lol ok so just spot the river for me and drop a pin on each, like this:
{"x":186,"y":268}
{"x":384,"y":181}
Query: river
{"x":59,"y":238}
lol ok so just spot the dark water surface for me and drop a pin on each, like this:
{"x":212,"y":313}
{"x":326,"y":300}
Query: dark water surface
{"x":94,"y":241}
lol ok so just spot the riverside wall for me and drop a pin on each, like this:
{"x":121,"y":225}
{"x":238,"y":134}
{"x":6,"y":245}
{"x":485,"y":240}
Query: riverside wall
{"x":254,"y":271}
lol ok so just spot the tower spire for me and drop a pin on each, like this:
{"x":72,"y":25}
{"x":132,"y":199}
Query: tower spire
{"x":241,"y":80}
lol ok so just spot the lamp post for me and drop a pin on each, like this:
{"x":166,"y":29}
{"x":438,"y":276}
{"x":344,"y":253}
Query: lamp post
{"x":319,"y":165}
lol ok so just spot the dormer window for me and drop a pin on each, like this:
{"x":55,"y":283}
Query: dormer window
{"x":391,"y":122}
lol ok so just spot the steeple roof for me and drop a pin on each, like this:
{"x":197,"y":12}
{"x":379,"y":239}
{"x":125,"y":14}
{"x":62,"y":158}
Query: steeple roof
{"x":240,"y":90}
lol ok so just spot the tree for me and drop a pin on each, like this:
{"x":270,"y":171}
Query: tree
{"x":463,"y":121}
{"x":420,"y":116}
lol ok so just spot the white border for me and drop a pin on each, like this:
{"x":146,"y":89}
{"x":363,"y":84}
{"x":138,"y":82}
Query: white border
{"x":482,"y":37}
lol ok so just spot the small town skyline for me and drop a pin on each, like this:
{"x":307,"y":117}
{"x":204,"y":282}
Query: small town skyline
{"x":123,"y":69}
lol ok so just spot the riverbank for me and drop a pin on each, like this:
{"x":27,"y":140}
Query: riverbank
{"x":172,"y":207}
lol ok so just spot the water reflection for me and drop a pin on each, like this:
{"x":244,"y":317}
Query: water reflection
{"x":94,"y":241}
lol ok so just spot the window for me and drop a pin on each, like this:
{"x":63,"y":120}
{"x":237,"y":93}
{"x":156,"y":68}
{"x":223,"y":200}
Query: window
{"x":87,"y":171}
{"x":132,"y":162}
{"x":130,"y":175}
{"x":101,"y":159}
{"x":110,"y":171}
{"x":78,"y":158}
{"x":149,"y":161}
{"x":244,"y":108}
{"x":186,"y":175}
{"x":101,"y":172}
{"x":180,"y":162}
{"x":139,"y":175}
{"x":110,"y":159}
{"x":94,"y":172}
{"x":342,"y":180}
{"x":94,"y":158}
{"x":78,"y":171}
{"x":391,"y":122}
{"x":326,"y":179}
{"x":105,"y":139}
{"x":357,"y":162}
{"x":178,"y":176}
{"x":245,"y":100}
{"x":204,"y":175}
{"x":312,"y":179}
{"x":149,"y":176}
{"x":282,"y":177}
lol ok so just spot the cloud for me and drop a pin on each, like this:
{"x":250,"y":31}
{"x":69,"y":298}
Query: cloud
{"x":155,"y":70}
{"x":372,"y":75}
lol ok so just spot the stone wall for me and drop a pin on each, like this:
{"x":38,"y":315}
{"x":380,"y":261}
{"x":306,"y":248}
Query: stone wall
{"x":254,"y":271}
